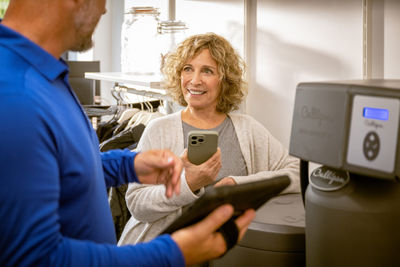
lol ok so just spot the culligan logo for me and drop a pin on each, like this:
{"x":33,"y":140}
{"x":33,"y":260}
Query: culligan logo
{"x":328,"y":179}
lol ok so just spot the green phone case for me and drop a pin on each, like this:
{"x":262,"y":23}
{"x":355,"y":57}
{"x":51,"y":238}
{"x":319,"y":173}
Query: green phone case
{"x":201,"y":145}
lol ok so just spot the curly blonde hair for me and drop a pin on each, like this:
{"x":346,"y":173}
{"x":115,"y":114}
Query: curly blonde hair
{"x":230,"y":65}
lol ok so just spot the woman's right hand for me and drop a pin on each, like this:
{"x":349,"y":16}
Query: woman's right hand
{"x":198,"y":176}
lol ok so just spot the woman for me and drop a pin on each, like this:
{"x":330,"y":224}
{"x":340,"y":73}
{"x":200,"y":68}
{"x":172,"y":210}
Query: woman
{"x":204,"y":74}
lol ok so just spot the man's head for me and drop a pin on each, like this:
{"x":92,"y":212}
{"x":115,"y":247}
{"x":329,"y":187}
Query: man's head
{"x":56,"y":25}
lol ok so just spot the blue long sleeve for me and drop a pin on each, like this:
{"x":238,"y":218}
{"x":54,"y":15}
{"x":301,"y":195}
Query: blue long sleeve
{"x":118,"y":167}
{"x":81,"y":253}
{"x":53,"y":201}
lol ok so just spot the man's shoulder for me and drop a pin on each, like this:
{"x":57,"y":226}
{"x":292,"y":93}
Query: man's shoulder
{"x":9,"y":58}
{"x":19,"y":83}
{"x":12,"y":69}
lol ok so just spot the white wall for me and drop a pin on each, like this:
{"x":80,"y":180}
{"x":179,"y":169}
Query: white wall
{"x":391,"y":37}
{"x":296,"y":41}
{"x":313,"y":40}
{"x":222,"y":17}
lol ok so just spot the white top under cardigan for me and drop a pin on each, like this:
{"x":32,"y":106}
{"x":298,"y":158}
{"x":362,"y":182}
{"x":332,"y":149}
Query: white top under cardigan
{"x":152,"y":212}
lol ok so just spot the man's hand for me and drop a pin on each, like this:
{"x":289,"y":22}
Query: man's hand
{"x":201,"y":242}
{"x":198,"y":176}
{"x":159,"y":167}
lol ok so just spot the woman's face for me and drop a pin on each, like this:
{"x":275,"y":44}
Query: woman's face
{"x":200,"y":81}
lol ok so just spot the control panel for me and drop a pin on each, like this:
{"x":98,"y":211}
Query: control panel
{"x":373,"y":132}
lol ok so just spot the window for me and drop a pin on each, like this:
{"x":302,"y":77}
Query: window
{"x":3,"y":7}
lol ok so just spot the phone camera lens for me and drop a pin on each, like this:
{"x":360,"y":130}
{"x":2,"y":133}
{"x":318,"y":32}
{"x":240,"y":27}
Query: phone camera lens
{"x":194,"y":142}
{"x":194,"y":137}
{"x":201,"y":140}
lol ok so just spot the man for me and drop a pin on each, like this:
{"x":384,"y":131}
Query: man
{"x":53,"y":201}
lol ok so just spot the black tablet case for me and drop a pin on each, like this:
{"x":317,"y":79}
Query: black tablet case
{"x":241,"y":197}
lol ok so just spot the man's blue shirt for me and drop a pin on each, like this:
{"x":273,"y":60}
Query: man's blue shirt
{"x":53,"y":200}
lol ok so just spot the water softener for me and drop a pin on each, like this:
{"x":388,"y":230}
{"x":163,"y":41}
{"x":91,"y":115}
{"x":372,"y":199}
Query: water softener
{"x":352,"y":200}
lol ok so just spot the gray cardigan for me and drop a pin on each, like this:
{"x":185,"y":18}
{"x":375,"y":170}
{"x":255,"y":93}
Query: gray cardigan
{"x":151,"y":211}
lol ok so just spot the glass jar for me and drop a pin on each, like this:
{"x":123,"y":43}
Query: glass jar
{"x":171,"y":33}
{"x":139,"y":47}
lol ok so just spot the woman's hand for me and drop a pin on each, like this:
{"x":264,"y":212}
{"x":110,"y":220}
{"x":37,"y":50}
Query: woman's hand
{"x":226,"y":181}
{"x":198,"y":176}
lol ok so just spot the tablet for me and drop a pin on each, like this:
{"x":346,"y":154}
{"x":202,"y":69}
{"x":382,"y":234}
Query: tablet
{"x":241,"y":197}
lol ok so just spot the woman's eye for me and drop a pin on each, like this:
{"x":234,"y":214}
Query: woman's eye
{"x":187,"y":68}
{"x":208,"y":71}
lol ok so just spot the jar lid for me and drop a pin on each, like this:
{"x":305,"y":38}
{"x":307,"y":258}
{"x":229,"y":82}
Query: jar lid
{"x":143,"y":10}
{"x":170,"y":26}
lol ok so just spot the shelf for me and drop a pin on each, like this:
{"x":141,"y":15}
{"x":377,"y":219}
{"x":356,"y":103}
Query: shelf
{"x":145,"y":85}
{"x":150,"y":81}
{"x":147,"y":93}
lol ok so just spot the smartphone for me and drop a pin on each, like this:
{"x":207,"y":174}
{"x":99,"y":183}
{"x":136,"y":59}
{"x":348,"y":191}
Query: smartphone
{"x":201,"y":145}
{"x":241,"y":197}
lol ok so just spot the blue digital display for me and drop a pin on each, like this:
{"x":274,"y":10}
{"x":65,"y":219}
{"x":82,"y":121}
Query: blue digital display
{"x":376,"y":113}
